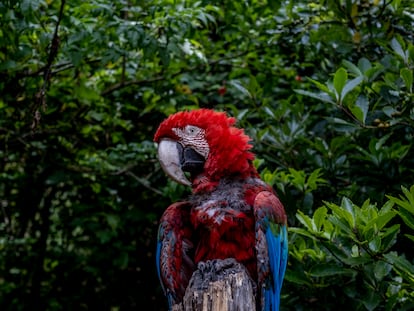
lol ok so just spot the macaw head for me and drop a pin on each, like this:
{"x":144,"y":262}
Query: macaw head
{"x":205,"y":144}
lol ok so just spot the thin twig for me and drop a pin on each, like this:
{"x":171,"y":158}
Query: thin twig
{"x":144,"y":183}
{"x":53,"y":51}
{"x":162,"y":77}
{"x":123,"y":84}
{"x":383,"y":7}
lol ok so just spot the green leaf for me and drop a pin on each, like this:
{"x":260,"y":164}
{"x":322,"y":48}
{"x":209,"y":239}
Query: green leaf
{"x":324,"y":270}
{"x":389,"y":237}
{"x":396,"y":46}
{"x":240,"y":87}
{"x":324,"y":88}
{"x":381,"y":270}
{"x":355,"y":261}
{"x":348,"y":206}
{"x":407,"y":217}
{"x":112,"y":220}
{"x":410,"y":236}
{"x":371,"y":300}
{"x":352,"y":68}
{"x":302,"y":232}
{"x":314,"y":179}
{"x":339,"y":81}
{"x":340,"y":125}
{"x":340,"y":223}
{"x":319,"y":96}
{"x":406,"y":204}
{"x":320,"y":217}
{"x":122,"y":260}
{"x":407,"y":76}
{"x":29,"y":5}
{"x":409,"y":194}
{"x":381,"y":220}
{"x":360,"y":109}
{"x":8,"y":64}
{"x":306,"y":221}
{"x":297,"y":277}
{"x":351,"y":85}
{"x":298,"y":178}
{"x":364,"y":65}
{"x":400,"y":263}
{"x":375,"y":244}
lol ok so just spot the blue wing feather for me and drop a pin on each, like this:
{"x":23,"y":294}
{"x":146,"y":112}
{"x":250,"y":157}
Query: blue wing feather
{"x":285,"y":252}
{"x":168,"y":292}
{"x":173,"y":261}
{"x":277,"y":249}
{"x":157,"y":262}
{"x":272,"y":248}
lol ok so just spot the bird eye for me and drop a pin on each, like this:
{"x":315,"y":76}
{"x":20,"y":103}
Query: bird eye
{"x":192,"y":130}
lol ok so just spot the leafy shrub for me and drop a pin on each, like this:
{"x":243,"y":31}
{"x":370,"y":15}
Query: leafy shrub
{"x":343,"y":255}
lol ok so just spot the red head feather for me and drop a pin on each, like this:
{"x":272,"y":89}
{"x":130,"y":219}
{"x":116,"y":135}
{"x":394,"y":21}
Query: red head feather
{"x":229,"y":146}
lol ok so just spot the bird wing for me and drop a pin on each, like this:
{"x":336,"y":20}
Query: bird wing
{"x":174,"y":259}
{"x":271,"y":248}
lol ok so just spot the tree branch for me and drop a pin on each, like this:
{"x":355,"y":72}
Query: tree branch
{"x":219,"y":285}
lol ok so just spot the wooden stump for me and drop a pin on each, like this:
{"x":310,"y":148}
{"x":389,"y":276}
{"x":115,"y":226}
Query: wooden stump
{"x":219,"y":285}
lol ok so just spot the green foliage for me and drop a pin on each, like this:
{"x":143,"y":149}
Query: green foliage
{"x":324,"y":89}
{"x":406,"y":208}
{"x":351,"y":248}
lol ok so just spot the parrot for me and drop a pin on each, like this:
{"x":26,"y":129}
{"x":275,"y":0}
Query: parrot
{"x":230,"y":213}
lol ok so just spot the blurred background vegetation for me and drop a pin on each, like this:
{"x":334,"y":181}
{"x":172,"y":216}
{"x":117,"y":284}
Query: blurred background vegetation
{"x":324,"y":89}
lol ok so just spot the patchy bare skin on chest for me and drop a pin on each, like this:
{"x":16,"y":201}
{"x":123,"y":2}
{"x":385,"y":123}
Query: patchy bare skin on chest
{"x":223,"y":206}
{"x":224,"y":220}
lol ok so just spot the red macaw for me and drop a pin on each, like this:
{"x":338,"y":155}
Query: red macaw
{"x":231,"y":213}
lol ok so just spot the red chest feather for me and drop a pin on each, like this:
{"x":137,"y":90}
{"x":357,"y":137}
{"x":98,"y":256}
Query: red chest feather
{"x":224,"y":233}
{"x":225,"y":226}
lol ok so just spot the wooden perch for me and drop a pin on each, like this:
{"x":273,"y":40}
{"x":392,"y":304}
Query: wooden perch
{"x":219,"y":285}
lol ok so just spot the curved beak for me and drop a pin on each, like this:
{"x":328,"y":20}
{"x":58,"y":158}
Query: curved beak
{"x":169,"y":157}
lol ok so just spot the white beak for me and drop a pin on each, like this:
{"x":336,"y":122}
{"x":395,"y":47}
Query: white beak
{"x":170,"y":161}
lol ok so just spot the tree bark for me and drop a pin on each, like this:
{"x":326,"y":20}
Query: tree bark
{"x":219,"y":285}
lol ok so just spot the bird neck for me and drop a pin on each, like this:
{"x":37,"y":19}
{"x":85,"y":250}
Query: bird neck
{"x":207,"y":183}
